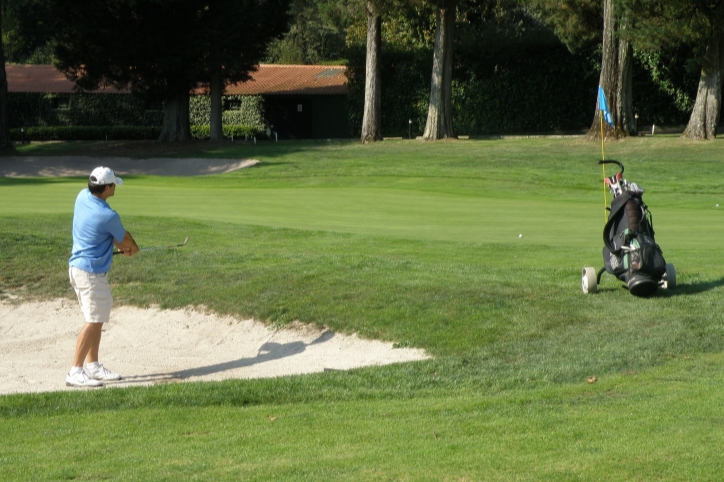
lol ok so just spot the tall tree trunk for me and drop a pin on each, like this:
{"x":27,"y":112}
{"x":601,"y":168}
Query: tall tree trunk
{"x":176,"y":126}
{"x":439,"y":113}
{"x":624,"y":91}
{"x":216,"y":90}
{"x":609,"y":74}
{"x":372,"y":118}
{"x":705,"y":116}
{"x":4,"y":127}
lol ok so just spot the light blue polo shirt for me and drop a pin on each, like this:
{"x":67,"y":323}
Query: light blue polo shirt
{"x":95,"y":226}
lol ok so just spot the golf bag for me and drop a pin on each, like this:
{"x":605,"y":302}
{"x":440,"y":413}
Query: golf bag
{"x":630,"y":252}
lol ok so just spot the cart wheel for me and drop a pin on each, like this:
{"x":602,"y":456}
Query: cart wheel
{"x":589,"y":283}
{"x":669,"y":279}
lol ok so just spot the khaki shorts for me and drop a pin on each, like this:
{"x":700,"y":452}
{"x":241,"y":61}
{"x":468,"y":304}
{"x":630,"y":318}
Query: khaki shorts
{"x":94,"y":294}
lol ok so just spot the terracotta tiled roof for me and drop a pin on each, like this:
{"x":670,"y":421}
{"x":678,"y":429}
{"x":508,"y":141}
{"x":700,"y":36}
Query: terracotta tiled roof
{"x":42,"y":78}
{"x":293,"y":79}
{"x":269,"y":79}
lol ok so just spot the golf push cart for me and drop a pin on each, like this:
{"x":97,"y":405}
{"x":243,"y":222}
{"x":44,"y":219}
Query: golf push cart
{"x":630,"y":252}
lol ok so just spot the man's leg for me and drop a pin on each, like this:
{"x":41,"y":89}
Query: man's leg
{"x":88,"y":343}
{"x":94,"y":296}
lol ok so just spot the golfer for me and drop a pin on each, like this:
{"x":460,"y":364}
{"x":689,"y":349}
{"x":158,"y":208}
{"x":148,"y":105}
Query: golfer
{"x":96,"y":229}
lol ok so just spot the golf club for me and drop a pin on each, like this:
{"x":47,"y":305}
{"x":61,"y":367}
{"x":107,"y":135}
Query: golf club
{"x":159,"y":247}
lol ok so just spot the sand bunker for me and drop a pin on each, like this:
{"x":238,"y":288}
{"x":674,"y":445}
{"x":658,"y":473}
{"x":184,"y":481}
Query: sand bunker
{"x":63,"y":166}
{"x":151,"y":346}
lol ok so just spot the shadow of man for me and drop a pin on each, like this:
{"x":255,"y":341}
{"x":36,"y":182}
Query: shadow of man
{"x":267,"y":352}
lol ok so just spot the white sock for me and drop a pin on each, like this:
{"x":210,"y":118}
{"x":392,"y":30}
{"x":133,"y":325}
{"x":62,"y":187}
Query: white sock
{"x":74,"y":370}
{"x":93,"y":365}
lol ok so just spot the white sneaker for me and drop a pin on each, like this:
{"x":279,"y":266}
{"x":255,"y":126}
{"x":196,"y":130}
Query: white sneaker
{"x":102,"y":373}
{"x":81,"y":379}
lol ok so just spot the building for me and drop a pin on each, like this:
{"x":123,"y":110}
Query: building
{"x":300,"y":101}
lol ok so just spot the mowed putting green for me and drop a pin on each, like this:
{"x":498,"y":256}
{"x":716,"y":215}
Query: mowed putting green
{"x":419,"y":244}
{"x":409,"y":214}
{"x":369,"y":211}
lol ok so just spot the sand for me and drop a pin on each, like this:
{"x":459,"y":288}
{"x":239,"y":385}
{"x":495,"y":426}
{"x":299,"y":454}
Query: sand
{"x":152,"y":346}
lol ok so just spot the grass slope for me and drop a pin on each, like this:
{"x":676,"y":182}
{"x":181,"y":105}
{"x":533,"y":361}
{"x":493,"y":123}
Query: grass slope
{"x":415,"y":243}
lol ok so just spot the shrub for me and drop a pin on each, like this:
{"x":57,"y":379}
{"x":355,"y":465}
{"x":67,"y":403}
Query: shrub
{"x":32,"y":109}
{"x":84,"y":133}
{"x":237,"y":131}
{"x":94,"y":133}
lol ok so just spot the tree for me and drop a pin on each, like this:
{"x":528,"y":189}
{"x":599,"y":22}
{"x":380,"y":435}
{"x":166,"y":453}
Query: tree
{"x":317,"y":32}
{"x":221,"y":36}
{"x":582,"y":22}
{"x":27,"y":33}
{"x":439,"y":115}
{"x":372,"y":110}
{"x":23,"y":28}
{"x":4,"y":126}
{"x":372,"y":117}
{"x":609,"y":77}
{"x":707,"y":108}
{"x":624,"y":84}
{"x":163,"y":48}
{"x":669,"y":23}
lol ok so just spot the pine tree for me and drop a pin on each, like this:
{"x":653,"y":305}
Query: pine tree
{"x":164,"y":48}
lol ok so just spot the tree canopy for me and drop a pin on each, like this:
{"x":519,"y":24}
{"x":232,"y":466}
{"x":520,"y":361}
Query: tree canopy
{"x":317,"y":32}
{"x":667,"y":24}
{"x":27,"y":32}
{"x":163,"y":48}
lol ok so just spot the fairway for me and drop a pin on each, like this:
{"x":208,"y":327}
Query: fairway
{"x":417,"y":245}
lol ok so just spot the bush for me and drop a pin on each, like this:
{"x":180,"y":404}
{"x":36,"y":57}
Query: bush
{"x":84,"y":133}
{"x":93,"y":133}
{"x":238,"y":131}
{"x":239,"y":110}
{"x":32,"y":109}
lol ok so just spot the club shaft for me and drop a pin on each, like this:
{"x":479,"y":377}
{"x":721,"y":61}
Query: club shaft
{"x":151,"y":248}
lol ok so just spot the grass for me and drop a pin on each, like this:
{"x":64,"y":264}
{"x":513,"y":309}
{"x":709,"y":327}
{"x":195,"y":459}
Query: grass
{"x":413,"y":243}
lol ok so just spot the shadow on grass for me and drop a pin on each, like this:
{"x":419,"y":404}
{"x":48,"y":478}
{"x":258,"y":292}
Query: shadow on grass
{"x":692,"y":288}
{"x":268,"y":352}
{"x":192,"y":148}
{"x":680,"y":290}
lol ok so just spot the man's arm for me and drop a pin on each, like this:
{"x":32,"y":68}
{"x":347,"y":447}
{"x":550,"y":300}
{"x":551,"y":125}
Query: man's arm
{"x":127,"y":245}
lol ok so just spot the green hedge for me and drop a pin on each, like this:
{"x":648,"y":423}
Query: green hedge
{"x":84,"y":133}
{"x":237,"y":131}
{"x":93,"y":133}
{"x":30,"y":109}
{"x":238,"y":110}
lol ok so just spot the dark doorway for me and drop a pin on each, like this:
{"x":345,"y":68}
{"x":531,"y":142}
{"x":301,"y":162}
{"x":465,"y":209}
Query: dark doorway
{"x":291,"y":116}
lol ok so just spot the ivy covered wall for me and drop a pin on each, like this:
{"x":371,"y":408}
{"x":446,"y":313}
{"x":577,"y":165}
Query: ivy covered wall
{"x":30,"y":109}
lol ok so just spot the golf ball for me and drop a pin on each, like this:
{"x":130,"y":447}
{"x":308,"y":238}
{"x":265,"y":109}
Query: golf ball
{"x":520,"y":235}
{"x":717,"y":205}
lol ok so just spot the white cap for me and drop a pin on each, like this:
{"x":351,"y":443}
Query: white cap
{"x":104,"y":175}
